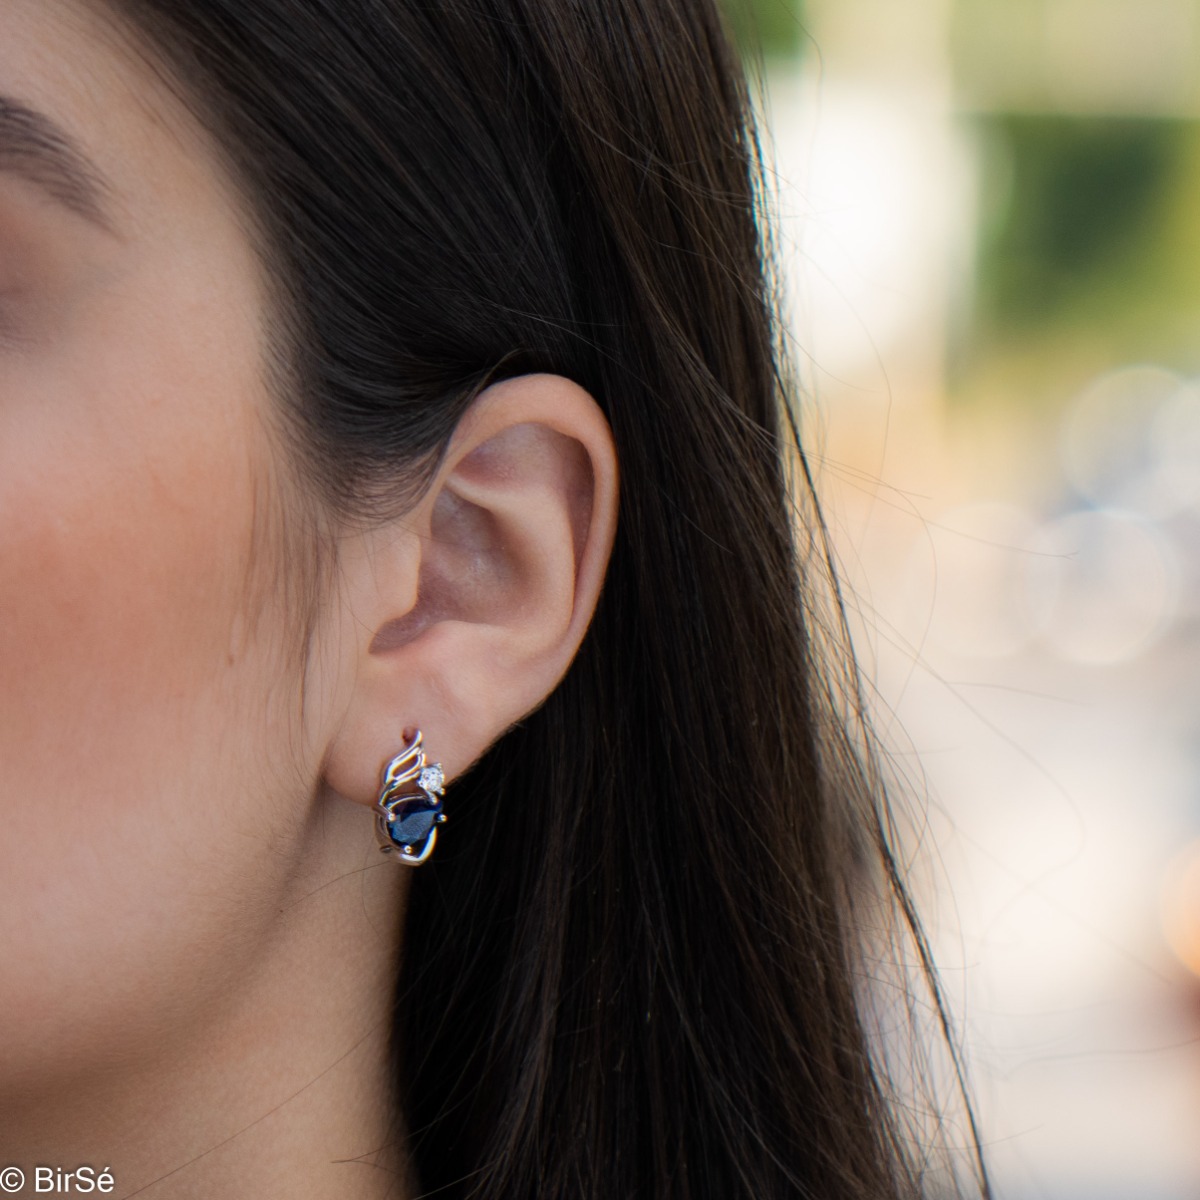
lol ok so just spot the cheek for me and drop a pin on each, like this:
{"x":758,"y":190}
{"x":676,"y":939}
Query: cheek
{"x":125,"y":507}
{"x":133,"y":708}
{"x":109,"y":589}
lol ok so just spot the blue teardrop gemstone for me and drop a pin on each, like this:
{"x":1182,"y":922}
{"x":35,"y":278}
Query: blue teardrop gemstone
{"x":411,"y":821}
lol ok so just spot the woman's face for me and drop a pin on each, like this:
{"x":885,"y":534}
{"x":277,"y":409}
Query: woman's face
{"x":150,"y":743}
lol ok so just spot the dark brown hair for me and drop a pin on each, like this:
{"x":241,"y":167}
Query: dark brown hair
{"x":635,"y":968}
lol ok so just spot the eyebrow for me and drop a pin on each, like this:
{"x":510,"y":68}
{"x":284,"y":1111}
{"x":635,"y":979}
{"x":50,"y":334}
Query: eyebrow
{"x":37,"y":150}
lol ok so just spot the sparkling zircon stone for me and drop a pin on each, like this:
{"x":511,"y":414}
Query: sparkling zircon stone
{"x":431,"y":778}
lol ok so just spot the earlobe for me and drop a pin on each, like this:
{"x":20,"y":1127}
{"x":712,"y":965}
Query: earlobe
{"x":506,"y":556}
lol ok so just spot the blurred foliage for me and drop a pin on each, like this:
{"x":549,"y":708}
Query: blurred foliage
{"x":773,"y":28}
{"x":1088,"y":248}
{"x":1081,"y":202}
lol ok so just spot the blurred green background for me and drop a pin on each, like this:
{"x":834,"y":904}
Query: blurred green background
{"x":773,"y":27}
{"x":1084,"y":114}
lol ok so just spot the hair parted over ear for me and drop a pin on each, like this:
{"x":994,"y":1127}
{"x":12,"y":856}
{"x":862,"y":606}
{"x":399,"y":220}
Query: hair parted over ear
{"x":465,"y":612}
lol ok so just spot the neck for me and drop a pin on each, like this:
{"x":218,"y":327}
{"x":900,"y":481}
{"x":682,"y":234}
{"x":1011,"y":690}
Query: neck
{"x":281,"y":1090}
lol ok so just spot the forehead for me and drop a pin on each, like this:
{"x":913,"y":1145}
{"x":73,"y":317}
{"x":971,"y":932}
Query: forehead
{"x":76,"y":69}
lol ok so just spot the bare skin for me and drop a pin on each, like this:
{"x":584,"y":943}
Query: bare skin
{"x":199,"y":937}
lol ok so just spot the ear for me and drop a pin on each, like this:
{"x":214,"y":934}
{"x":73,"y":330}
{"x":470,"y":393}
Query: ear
{"x":463,"y":615}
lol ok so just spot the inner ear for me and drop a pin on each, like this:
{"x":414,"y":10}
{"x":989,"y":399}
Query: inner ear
{"x":501,"y":459}
{"x":470,"y":569}
{"x":464,"y":562}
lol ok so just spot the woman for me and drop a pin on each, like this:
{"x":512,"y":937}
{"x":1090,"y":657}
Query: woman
{"x":326,"y":332}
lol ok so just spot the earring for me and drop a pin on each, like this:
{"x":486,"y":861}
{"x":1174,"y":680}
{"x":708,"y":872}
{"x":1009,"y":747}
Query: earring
{"x":409,"y":808}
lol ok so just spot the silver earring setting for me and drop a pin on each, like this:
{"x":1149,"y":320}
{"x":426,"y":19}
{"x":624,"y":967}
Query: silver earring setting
{"x":409,"y":808}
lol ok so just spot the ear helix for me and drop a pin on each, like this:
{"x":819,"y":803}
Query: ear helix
{"x":409,"y":808}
